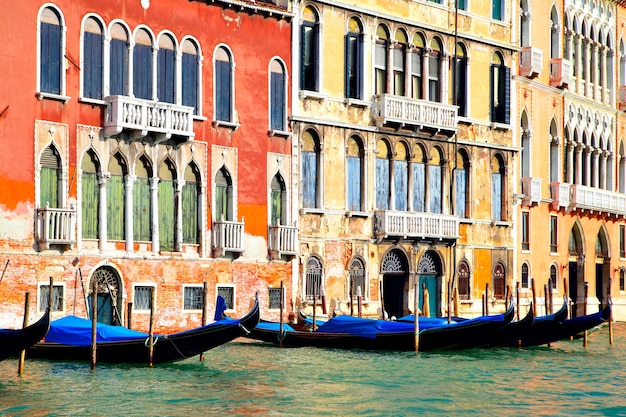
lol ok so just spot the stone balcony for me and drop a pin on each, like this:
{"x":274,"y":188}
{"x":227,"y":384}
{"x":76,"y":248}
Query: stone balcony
{"x":55,"y":226}
{"x":415,"y":225}
{"x":584,"y":198}
{"x":228,"y":237}
{"x":531,"y":191}
{"x":561,"y":73}
{"x":414,"y":114}
{"x":530,"y":62}
{"x":140,"y":118}
{"x":282,"y":241}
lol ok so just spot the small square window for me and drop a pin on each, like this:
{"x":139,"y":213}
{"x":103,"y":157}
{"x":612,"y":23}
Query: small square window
{"x":57,"y":297}
{"x":142,"y":297}
{"x":274,"y":301}
{"x":193,"y":296}
{"x":228,"y":292}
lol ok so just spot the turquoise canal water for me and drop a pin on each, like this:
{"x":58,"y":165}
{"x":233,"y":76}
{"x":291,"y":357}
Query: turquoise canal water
{"x":246,"y":378}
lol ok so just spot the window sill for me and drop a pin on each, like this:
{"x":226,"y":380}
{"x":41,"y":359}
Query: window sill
{"x":190,"y":311}
{"x":364,"y":214}
{"x":500,"y":126}
{"x":92,"y":101}
{"x":230,"y":125}
{"x":200,"y":118}
{"x":501,"y":223}
{"x":312,"y":211}
{"x":355,"y":102}
{"x":313,"y":95}
{"x":279,"y":133}
{"x":41,"y":95}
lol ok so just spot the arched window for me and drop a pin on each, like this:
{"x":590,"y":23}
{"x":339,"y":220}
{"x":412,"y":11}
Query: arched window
{"x":90,"y":196}
{"x":383,"y":168}
{"x":525,"y":279}
{"x":224,"y":84}
{"x":354,"y":59}
{"x":462,"y":185}
{"x":460,"y":80}
{"x":554,"y":153}
{"x":313,"y":282}
{"x":463,"y":272}
{"x":309,"y":52}
{"x":278,"y":96}
{"x":118,"y":61}
{"x":380,"y":60}
{"x":355,"y":157}
{"x":554,"y":278}
{"x":92,"y":57}
{"x":524,"y":23}
{"x":50,"y":178}
{"x":418,"y":173}
{"x":555,"y":33}
{"x":166,"y":69}
{"x":190,"y":69}
{"x":116,"y":198}
{"x":400,"y":177}
{"x":142,"y":65}
{"x":398,"y":62}
{"x":141,"y":201}
{"x":191,"y":205}
{"x":434,"y":71}
{"x":526,"y":146}
{"x":310,"y":169}
{"x":278,"y":203}
{"x":51,"y":46}
{"x":417,"y":55}
{"x":167,"y":206}
{"x":223,"y":196}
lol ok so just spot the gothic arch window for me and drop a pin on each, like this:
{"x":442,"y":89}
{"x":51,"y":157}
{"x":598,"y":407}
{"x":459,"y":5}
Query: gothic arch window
{"x":278,"y":203}
{"x":224,"y":196}
{"x":90,"y":195}
{"x":356,"y":272}
{"x":142,"y":203}
{"x":499,"y":280}
{"x":50,"y":187}
{"x":116,"y":197}
{"x":167,"y":206}
{"x":463,"y":272}
{"x":191,"y":202}
{"x":525,"y":277}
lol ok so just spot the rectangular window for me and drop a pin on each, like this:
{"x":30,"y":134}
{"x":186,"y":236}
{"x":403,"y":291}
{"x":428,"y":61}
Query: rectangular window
{"x":274,"y":298}
{"x":190,"y":213}
{"x":622,"y":241}
{"x":382,"y":183}
{"x":460,"y":93}
{"x":50,"y":59}
{"x":228,"y":293}
{"x":92,"y":72}
{"x":141,"y":210}
{"x":400,"y":179}
{"x":497,"y":9}
{"x":308,"y":57}
{"x":416,"y":74}
{"x":354,"y":183}
{"x":496,"y":196}
{"x":433,"y":78}
{"x":380,"y":68}
{"x":461,"y":192}
{"x":119,"y":67}
{"x":500,"y":94}
{"x":165,"y":75}
{"x":115,"y":207}
{"x":57,"y":297}
{"x":193,"y":297}
{"x":190,"y":81}
{"x":434,"y":188}
{"x":166,"y":215}
{"x":525,"y":230}
{"x":419,"y":189}
{"x":277,"y":101}
{"x":554,"y":232}
{"x":142,"y":297}
{"x":353,"y":66}
{"x":398,"y":71}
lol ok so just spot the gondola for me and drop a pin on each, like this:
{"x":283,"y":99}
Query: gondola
{"x":348,"y":332}
{"x":13,"y":342}
{"x":117,"y":344}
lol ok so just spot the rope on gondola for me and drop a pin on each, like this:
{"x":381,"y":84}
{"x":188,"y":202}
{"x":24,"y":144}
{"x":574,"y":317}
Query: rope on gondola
{"x":146,"y":343}
{"x":281,"y":335}
{"x":246,"y":331}
{"x":182,"y":355}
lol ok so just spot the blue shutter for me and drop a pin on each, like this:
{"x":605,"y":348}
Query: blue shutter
{"x":434,"y":188}
{"x":277,"y":105}
{"x":496,"y":195}
{"x":354,"y":183}
{"x":382,"y":183}
{"x":461,"y":190}
{"x":506,"y":95}
{"x":119,"y":68}
{"x":223,"y":91}
{"x":165,"y":75}
{"x":50,"y":60}
{"x":142,"y":72}
{"x":400,"y":181}
{"x":309,"y":179}
{"x":190,"y":81}
{"x":419,"y":189}
{"x":92,"y":71}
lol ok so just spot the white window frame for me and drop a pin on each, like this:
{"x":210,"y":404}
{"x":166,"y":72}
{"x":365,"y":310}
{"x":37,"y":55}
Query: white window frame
{"x":187,"y":310}
{"x":143,"y":284}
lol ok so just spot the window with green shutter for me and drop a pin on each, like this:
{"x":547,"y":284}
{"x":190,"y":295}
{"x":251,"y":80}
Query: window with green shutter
{"x":277,"y":193}
{"x":190,"y":205}
{"x":115,"y":199}
{"x":90,"y":196}
{"x":223,"y":191}
{"x":49,"y":178}
{"x":167,"y":216}
{"x":141,"y":202}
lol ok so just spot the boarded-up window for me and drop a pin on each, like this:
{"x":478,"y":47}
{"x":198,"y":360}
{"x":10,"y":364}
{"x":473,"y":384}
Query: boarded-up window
{"x":310,"y":155}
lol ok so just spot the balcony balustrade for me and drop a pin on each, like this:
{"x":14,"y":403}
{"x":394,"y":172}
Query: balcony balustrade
{"x":530,"y":62}
{"x":622,"y":97}
{"x":407,"y":225}
{"x":419,"y":114}
{"x":228,"y":237}
{"x":596,"y":199}
{"x":142,"y":117}
{"x":282,"y":240}
{"x":55,"y":226}
{"x":560,"y":195}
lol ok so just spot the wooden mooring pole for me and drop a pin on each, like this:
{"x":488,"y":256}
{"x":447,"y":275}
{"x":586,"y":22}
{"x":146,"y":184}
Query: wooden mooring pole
{"x":586,"y":292}
{"x":204,"y":311}
{"x":416,"y":326}
{"x":280,"y":328}
{"x":94,"y":322}
{"x":151,"y":335}
{"x":20,"y":366}
{"x":609,"y":300}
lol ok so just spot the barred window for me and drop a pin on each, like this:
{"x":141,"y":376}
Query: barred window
{"x":357,"y":277}
{"x":193,"y":296}
{"x":274,"y":298}
{"x":229,"y":296}
{"x":313,"y":278}
{"x":57,"y":297}
{"x":143,"y":297}
{"x":464,"y":281}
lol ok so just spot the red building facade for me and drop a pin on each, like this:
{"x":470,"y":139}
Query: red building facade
{"x":144,"y":148}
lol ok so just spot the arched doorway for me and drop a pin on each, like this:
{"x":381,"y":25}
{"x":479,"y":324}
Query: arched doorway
{"x":109,"y":295}
{"x":429,"y":272}
{"x":576,"y":269}
{"x":395,"y":278}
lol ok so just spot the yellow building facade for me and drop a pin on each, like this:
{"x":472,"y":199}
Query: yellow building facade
{"x":404,"y":156}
